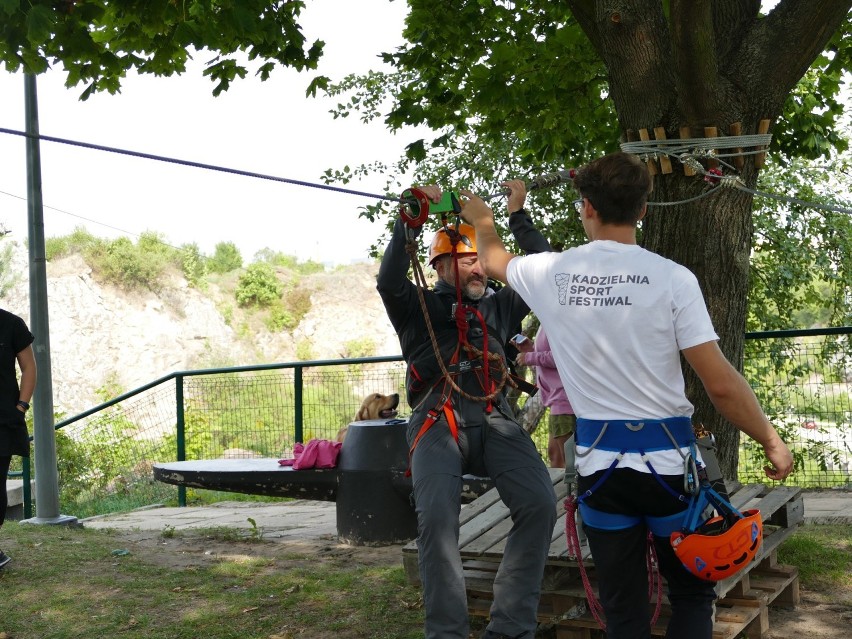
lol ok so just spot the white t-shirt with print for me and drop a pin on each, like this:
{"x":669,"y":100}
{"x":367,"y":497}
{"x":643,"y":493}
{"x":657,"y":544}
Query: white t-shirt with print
{"x":617,"y":316}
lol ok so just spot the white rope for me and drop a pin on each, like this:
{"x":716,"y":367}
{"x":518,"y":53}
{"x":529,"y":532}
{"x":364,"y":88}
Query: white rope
{"x":677,"y":146}
{"x":687,"y":151}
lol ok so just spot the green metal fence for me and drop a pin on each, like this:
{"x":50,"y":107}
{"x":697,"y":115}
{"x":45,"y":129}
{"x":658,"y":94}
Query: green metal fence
{"x":803,"y":380}
{"x":105,"y":454}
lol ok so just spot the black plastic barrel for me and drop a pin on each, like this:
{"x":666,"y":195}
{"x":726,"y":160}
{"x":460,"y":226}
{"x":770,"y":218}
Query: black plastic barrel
{"x":373,"y":500}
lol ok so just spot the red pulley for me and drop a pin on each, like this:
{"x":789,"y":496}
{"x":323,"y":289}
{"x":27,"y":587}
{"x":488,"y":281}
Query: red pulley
{"x":414,"y":208}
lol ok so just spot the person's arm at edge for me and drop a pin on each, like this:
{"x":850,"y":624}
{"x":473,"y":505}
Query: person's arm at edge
{"x":543,"y":359}
{"x":735,"y":400}
{"x":491,"y":251}
{"x":530,"y":240}
{"x":26,"y":361}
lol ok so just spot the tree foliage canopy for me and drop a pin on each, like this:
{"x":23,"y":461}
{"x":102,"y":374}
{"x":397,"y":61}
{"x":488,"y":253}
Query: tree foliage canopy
{"x":98,"y":42}
{"x":537,"y":86}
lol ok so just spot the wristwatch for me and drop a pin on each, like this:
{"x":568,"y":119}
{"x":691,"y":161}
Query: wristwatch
{"x":24,"y":405}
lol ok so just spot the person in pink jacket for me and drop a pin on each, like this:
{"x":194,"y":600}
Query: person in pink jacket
{"x":562,"y":419}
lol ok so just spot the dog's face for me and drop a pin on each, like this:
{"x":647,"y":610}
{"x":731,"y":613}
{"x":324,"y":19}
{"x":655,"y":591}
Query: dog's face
{"x":378,"y":406}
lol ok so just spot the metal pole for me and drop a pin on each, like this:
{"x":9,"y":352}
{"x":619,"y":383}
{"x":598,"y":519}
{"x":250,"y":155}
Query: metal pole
{"x":44,"y":437}
{"x":181,"y":433}
{"x":298,"y":414}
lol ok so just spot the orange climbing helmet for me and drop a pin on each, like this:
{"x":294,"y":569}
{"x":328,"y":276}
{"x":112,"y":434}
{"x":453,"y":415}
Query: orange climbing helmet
{"x":442,"y":242}
{"x":719,"y":548}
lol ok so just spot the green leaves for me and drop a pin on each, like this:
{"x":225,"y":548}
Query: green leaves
{"x":9,"y":7}
{"x":39,"y":24}
{"x":98,"y":42}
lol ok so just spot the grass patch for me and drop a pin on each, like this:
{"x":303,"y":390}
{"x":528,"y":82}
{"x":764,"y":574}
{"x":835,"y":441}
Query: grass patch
{"x":66,"y":583}
{"x":823,"y":555}
{"x":76,"y":582}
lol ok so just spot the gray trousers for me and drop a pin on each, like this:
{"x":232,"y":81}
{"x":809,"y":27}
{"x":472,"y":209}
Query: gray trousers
{"x":502,"y":450}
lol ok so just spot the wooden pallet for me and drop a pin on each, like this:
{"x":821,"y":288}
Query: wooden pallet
{"x":743,"y":600}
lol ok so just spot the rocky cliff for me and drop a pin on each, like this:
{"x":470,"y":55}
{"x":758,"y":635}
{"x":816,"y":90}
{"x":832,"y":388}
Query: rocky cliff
{"x":104,"y":338}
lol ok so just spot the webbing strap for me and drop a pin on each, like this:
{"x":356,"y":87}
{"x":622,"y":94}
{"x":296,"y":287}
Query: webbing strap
{"x":707,"y":495}
{"x":623,"y":435}
{"x":431,"y":417}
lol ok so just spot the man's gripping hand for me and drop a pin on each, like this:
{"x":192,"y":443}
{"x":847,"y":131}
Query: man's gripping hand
{"x":475,"y":210}
{"x":433,"y":192}
{"x":516,"y":194}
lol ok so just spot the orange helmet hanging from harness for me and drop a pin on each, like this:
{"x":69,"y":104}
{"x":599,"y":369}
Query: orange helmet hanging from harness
{"x":721,"y":546}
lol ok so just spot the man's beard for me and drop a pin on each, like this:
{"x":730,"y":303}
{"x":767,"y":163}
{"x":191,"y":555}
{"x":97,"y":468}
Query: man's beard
{"x":474,"y":289}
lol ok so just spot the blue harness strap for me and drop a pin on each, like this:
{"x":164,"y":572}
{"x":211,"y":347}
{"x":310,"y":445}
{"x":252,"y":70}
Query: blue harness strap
{"x":646,"y":435}
{"x":622,"y":436}
{"x":660,"y":526}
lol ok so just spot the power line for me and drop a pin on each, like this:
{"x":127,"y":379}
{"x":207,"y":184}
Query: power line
{"x":87,"y":219}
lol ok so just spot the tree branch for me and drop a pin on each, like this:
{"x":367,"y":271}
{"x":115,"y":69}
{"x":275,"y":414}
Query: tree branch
{"x":782,"y":46}
{"x":631,"y":36}
{"x":584,"y":14}
{"x":731,"y":20}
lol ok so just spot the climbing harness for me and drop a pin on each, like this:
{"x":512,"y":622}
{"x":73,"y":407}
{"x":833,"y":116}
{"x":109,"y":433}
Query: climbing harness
{"x":460,"y":313}
{"x":711,"y":547}
{"x":456,"y":240}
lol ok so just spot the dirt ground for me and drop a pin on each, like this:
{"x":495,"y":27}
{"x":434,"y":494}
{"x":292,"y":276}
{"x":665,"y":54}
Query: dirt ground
{"x":820,"y":615}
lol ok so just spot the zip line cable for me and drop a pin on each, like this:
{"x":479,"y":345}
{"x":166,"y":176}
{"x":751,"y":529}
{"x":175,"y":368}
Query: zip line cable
{"x":198,"y":165}
{"x":688,"y":151}
{"x":684,"y":150}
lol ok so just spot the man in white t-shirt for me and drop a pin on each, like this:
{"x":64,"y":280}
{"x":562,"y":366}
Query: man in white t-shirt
{"x":619,"y":317}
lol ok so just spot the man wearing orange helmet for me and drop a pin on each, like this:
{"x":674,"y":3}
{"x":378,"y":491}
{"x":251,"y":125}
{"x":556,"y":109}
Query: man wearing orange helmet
{"x":462,"y":424}
{"x":620,"y":317}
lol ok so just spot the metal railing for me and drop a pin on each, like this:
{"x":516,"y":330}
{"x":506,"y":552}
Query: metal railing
{"x":104,"y":454}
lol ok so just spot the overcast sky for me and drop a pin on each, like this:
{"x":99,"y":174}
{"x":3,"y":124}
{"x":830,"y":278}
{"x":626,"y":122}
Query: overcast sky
{"x":263,"y":127}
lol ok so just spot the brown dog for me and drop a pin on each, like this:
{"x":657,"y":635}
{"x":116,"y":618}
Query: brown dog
{"x":374,"y":406}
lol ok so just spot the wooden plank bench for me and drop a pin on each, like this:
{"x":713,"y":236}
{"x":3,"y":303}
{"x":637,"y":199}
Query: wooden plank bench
{"x":743,"y":599}
{"x":263,"y":476}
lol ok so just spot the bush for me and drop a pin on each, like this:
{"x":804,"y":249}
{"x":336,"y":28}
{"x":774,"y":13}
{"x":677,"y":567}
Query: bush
{"x":258,"y":286}
{"x":280,"y":319}
{"x":226,"y":258}
{"x":77,"y":242}
{"x":297,"y":304}
{"x":193,"y":264}
{"x":130,"y":267}
{"x":364,"y":347}
{"x":289,"y":262}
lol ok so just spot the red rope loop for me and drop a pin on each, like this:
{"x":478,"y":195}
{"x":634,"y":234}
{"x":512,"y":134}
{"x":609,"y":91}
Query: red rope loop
{"x":655,"y":581}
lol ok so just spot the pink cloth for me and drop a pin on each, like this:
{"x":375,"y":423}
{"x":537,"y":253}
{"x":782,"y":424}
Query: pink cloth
{"x":547,"y":377}
{"x":318,"y":453}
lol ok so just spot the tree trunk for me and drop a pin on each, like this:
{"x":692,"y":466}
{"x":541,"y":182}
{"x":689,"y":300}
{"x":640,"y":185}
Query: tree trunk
{"x":712,"y":238}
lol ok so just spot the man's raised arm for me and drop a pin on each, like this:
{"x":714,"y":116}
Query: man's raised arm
{"x":491,"y":251}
